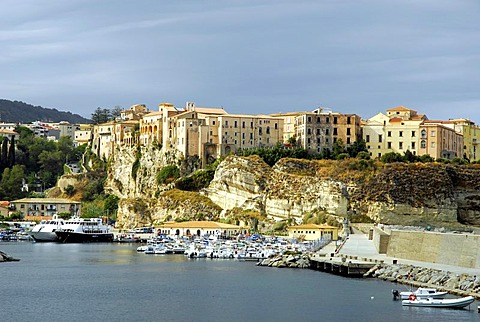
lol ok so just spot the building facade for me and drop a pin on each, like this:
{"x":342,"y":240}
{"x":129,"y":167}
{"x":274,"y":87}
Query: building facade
{"x":42,"y":208}
{"x":319,"y":130}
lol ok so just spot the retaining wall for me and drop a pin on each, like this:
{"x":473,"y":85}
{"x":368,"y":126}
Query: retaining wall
{"x":443,"y":248}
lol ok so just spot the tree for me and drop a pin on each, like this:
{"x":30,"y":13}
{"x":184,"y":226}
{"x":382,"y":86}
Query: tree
{"x":357,"y":147}
{"x":11,"y":152}
{"x":111,"y":205}
{"x":116,"y":112}
{"x":101,"y":115}
{"x":11,"y":183}
{"x":338,"y":148}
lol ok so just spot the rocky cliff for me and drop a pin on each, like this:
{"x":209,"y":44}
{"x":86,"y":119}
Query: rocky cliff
{"x":405,"y":194}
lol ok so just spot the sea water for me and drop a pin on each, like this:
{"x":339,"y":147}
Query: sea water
{"x":113,"y":282}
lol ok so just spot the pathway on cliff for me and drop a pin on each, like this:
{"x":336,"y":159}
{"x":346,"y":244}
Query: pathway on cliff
{"x":359,"y":245}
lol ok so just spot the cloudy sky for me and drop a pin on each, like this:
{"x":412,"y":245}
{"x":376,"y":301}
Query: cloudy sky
{"x":263,"y":56}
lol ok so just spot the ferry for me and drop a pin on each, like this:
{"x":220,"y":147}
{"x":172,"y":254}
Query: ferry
{"x":45,"y":230}
{"x":80,"y":230}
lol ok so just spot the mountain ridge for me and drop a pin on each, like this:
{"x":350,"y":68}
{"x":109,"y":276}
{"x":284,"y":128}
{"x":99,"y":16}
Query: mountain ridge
{"x":21,"y":112}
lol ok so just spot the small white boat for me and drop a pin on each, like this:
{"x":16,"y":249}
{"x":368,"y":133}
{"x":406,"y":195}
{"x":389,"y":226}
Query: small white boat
{"x":448,"y":303}
{"x":423,"y":292}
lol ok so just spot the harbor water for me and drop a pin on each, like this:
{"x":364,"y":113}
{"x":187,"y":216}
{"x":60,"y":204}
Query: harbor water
{"x":113,"y":282}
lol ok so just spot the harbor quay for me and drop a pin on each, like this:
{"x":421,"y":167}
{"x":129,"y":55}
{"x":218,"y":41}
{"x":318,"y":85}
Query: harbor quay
{"x":359,"y":249}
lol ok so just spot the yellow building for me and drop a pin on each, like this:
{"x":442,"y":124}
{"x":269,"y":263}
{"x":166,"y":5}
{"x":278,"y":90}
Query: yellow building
{"x":45,"y":208}
{"x":288,"y":124}
{"x":200,"y":228}
{"x":471,"y":137}
{"x":313,"y":232}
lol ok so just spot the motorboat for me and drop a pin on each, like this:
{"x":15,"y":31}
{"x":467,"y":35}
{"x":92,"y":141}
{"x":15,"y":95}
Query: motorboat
{"x":447,"y":303}
{"x":421,"y":292}
{"x":45,"y":230}
{"x":80,"y":230}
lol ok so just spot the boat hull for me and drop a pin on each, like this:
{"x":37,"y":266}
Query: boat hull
{"x":447,"y":303}
{"x":74,"y":237}
{"x":43,"y":236}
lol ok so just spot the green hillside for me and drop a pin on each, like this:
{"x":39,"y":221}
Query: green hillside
{"x":20,"y":112}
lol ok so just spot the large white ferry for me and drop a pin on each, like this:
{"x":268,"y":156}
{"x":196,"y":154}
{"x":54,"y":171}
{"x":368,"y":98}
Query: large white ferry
{"x":79,"y":230}
{"x":45,"y":230}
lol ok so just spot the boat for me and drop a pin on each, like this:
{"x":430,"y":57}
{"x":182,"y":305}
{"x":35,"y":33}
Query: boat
{"x":80,"y":230}
{"x":447,"y":303}
{"x":421,"y":292}
{"x":45,"y":230}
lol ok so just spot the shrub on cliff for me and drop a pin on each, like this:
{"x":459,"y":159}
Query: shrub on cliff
{"x":168,"y":174}
{"x":195,"y":182}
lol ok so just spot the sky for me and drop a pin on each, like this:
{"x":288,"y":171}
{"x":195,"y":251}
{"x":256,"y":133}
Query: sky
{"x":249,"y":57}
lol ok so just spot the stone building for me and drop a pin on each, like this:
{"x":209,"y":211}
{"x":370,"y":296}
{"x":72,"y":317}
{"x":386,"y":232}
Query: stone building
{"x":319,"y":130}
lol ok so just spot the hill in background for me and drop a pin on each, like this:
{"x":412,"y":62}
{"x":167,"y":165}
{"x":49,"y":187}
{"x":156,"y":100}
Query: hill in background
{"x":20,"y":112}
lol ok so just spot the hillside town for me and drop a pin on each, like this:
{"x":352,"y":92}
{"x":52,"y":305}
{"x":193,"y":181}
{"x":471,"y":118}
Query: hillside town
{"x":211,"y":132}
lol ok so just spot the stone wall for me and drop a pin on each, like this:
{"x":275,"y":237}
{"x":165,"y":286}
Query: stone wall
{"x":443,"y":248}
{"x":381,"y":240}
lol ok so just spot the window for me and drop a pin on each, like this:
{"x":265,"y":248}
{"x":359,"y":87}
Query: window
{"x":348,"y":120}
{"x":335,"y":131}
{"x":276,"y":126}
{"x":318,"y":119}
{"x":413,"y":134}
{"x":243,"y":125}
{"x":432,"y":133}
{"x":327,"y":120}
{"x":348,"y":131}
{"x":400,"y":134}
{"x":423,"y":134}
{"x":423,"y":144}
{"x":309,"y":131}
{"x":400,"y":145}
{"x":334,"y":120}
{"x":226,"y":123}
{"x":389,"y":134}
{"x":213,"y":122}
{"x":235,"y":124}
{"x":389,"y":145}
{"x":327,"y":132}
{"x":379,"y":138}
{"x":348,"y":140}
{"x":432,"y":144}
{"x":413,"y":145}
{"x":309,"y":119}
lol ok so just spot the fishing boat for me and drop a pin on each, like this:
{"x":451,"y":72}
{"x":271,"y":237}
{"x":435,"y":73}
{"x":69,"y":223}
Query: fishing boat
{"x":446,"y":303}
{"x":45,"y":230}
{"x":80,"y":230}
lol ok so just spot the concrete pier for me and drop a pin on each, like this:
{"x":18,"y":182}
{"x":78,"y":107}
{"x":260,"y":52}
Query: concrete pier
{"x":341,"y":266}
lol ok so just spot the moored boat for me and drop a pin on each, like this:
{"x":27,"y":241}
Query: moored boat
{"x":447,"y":303}
{"x":80,"y":230}
{"x":45,"y":230}
{"x":421,"y":292}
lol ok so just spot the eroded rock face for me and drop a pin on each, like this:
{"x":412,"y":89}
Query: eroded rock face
{"x":250,"y":183}
{"x":397,"y":194}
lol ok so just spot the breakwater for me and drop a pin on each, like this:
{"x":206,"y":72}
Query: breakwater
{"x":414,"y":276}
{"x":409,"y":275}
